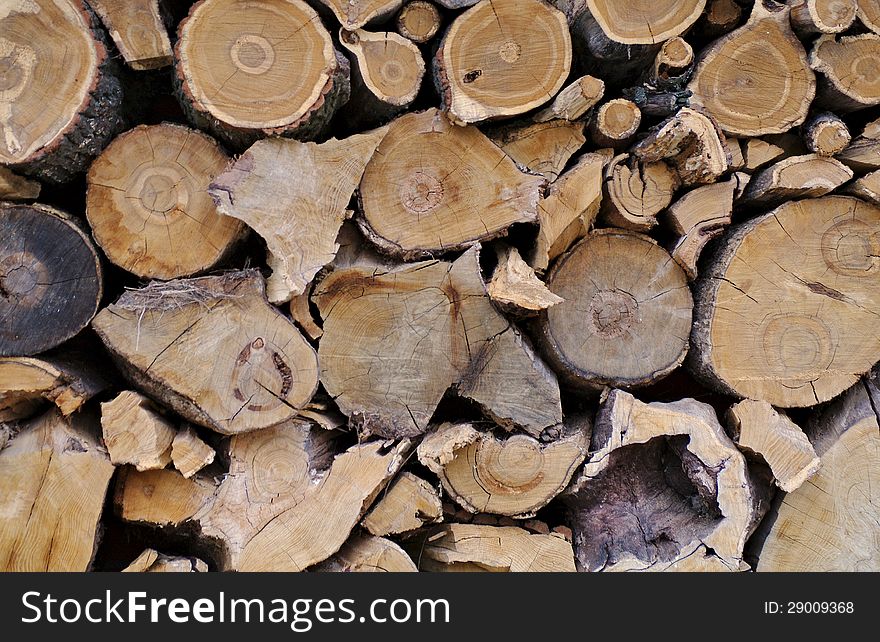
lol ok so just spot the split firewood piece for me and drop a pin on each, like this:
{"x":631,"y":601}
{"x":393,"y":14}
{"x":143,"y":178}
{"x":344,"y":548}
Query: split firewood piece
{"x":807,"y":176}
{"x":645,"y":22}
{"x":830,"y":523}
{"x":135,"y":433}
{"x":759,"y":430}
{"x":152,"y":561}
{"x":569,"y":209}
{"x":189,"y":453}
{"x":354,"y":14}
{"x":719,"y":18}
{"x":384,"y":374}
{"x":424,"y":172}
{"x":689,"y":141}
{"x":748,"y":102}
{"x":368,"y":554}
{"x":513,"y":476}
{"x":734,"y":149}
{"x":138,"y":31}
{"x":386,"y":75}
{"x":850,"y":69}
{"x":502,"y":58}
{"x":515,"y":288}
{"x":17,"y":188}
{"x":615,"y":123}
{"x":826,"y":135}
{"x":407,"y":504}
{"x":147,"y":205}
{"x":786,"y":310}
{"x":758,"y":152}
{"x":213,"y":350}
{"x":867,"y":188}
{"x":295,"y":196}
{"x":574,"y":101}
{"x":626,"y":313}
{"x":60,"y":102}
{"x":663,"y":479}
{"x":301,"y":314}
{"x":636,"y":192}
{"x":159,"y":497}
{"x":66,"y":379}
{"x":863,"y":154}
{"x":497,"y":549}
{"x":234,"y":63}
{"x":542,"y":148}
{"x":419,"y":21}
{"x":51,"y":280}
{"x":822,"y":16}
{"x":869,"y":14}
{"x":53,"y":478}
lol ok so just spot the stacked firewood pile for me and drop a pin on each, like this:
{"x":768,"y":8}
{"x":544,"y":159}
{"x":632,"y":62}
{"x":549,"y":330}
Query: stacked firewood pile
{"x":504,"y":285}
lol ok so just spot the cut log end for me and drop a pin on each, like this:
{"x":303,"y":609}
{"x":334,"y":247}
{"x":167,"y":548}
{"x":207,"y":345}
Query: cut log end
{"x":822,"y":16}
{"x":616,"y":123}
{"x":419,"y":21}
{"x":138,"y":31}
{"x":645,"y":22}
{"x":635,"y":192}
{"x":850,"y":68}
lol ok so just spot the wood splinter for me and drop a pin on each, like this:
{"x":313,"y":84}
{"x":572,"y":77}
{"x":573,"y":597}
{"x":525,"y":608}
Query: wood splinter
{"x":135,"y":433}
{"x":515,"y":287}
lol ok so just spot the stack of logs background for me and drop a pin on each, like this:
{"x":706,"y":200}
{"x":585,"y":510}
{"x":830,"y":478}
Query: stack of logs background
{"x":511,"y":285}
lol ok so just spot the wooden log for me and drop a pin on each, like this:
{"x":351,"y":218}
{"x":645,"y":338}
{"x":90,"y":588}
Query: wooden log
{"x":135,"y":433}
{"x":822,"y":16}
{"x":664,"y":482}
{"x":616,"y":123}
{"x":794,"y":292}
{"x":502,"y":58}
{"x":616,"y":327}
{"x":496,"y":549}
{"x":743,"y":101}
{"x":758,"y":152}
{"x":51,"y":280}
{"x":53,"y":50}
{"x":354,"y":15}
{"x":829,"y":523}
{"x":826,"y":134}
{"x":866,"y":188}
{"x":673,"y":64}
{"x":691,"y":143}
{"x":67,"y":379}
{"x":850,"y":67}
{"x":295,"y":196}
{"x":159,"y":497}
{"x":407,"y":504}
{"x":719,"y":18}
{"x":574,"y":101}
{"x":53,"y":478}
{"x":636,"y":192}
{"x":807,"y":176}
{"x":761,"y":431}
{"x":514,"y":476}
{"x":147,"y":205}
{"x":516,"y":289}
{"x":241,"y":90}
{"x":863,"y":154}
{"x":138,"y":30}
{"x":540,"y":148}
{"x":368,"y":554}
{"x":386,"y":76}
{"x":152,"y":561}
{"x":423,"y":170}
{"x":17,"y":188}
{"x":189,"y":453}
{"x":257,"y":369}
{"x":374,"y":358}
{"x":869,"y":14}
{"x":645,"y":22}
{"x":734,"y":149}
{"x":419,"y":21}
{"x":569,"y":209}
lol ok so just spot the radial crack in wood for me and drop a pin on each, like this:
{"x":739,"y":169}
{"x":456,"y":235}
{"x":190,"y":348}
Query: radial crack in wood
{"x":541,"y":148}
{"x":636,"y":192}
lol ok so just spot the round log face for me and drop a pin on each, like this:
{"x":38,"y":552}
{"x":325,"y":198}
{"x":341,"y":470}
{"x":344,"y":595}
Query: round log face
{"x":148,"y":205}
{"x":645,"y":21}
{"x":48,"y":67}
{"x":852,"y":66}
{"x":626,"y":312}
{"x":788,"y":312}
{"x":50,"y":279}
{"x":256,"y":65}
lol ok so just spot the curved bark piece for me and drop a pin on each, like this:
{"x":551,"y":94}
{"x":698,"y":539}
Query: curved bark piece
{"x":615,"y":123}
{"x":642,"y":22}
{"x":744,"y":101}
{"x":407,"y":504}
{"x":636,"y":192}
{"x":138,"y":31}
{"x":419,"y":21}
{"x":147,"y":206}
{"x":863,"y":154}
{"x":515,"y":288}
{"x":541,"y":148}
{"x":826,"y":135}
{"x":247,"y":71}
{"x":152,"y":561}
{"x":830,"y":523}
{"x":189,"y":453}
{"x":850,"y":69}
{"x":368,"y":554}
{"x":53,"y":478}
{"x":663,"y":479}
{"x":135,"y":433}
{"x":51,"y":281}
{"x":514,"y":476}
{"x":295,"y":196}
{"x":60,"y":100}
{"x":436,"y":187}
{"x":17,"y":188}
{"x":786,"y":310}
{"x":808,"y":176}
{"x":354,"y":14}
{"x":574,"y":101}
{"x":822,"y":16}
{"x":213,"y":350}
{"x":502,"y":58}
